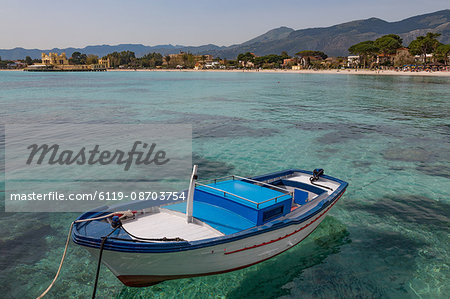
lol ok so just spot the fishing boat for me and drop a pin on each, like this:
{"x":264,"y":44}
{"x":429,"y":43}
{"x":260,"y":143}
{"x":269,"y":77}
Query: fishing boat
{"x":225,"y":224}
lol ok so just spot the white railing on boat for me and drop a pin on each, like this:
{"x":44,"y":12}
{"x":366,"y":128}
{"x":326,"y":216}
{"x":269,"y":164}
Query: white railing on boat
{"x":226,"y":192}
{"x":262,"y":183}
{"x":247,"y":179}
{"x":243,"y":198}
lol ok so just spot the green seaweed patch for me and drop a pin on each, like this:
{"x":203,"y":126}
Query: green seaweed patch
{"x":340,"y":136}
{"x":413,"y":209}
{"x":223,"y":129}
{"x":209,"y":168}
{"x":409,"y":155}
{"x":208,"y":125}
{"x":25,"y":249}
{"x":435,"y":170}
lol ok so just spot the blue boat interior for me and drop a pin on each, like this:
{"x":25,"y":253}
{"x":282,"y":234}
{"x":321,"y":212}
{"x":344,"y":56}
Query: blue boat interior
{"x":225,"y":221}
{"x":300,"y":185}
{"x":228,"y":213}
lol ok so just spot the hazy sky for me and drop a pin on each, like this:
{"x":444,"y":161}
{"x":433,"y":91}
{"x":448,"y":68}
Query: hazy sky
{"x":78,"y":23}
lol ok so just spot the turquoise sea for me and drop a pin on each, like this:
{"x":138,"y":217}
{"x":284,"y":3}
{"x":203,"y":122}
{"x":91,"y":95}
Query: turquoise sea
{"x":388,"y":136}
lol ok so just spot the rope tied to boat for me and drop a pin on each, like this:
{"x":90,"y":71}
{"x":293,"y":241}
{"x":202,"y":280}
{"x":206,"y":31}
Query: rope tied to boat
{"x":122,"y":214}
{"x":164,"y":239}
{"x":116,"y":223}
{"x":100,"y":259}
{"x":316,"y":176}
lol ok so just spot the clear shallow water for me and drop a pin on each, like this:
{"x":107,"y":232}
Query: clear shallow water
{"x":387,"y":136}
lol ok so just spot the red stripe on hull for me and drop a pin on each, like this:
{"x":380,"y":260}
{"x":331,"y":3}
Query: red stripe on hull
{"x":149,"y":280}
{"x":288,"y":235}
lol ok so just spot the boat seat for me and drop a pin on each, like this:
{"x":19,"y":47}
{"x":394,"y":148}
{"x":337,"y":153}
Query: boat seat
{"x":303,"y":186}
{"x":221,"y":219}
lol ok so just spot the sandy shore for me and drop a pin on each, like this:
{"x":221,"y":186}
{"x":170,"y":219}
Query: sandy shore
{"x":336,"y":72}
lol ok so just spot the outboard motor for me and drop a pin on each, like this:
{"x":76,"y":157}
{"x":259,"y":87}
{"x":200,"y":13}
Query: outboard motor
{"x":317,"y":173}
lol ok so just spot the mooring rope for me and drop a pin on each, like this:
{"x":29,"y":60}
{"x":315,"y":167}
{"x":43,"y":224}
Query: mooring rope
{"x":124,"y":214}
{"x":100,"y":260}
{"x":312,"y":179}
{"x":176,"y":239}
{"x":60,"y":264}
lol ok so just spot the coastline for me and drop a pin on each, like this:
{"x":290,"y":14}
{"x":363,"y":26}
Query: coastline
{"x":335,"y":72}
{"x":331,"y":72}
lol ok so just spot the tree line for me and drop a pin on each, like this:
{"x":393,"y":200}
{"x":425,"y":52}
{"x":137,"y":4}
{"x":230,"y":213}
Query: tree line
{"x":390,"y":43}
{"x":366,"y":50}
{"x":128,"y":59}
{"x":277,"y":61}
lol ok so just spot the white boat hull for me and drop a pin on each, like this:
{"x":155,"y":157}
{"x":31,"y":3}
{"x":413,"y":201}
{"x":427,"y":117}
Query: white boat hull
{"x":144,"y":269}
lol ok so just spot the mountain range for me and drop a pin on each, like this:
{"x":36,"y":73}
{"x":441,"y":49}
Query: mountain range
{"x":333,"y":40}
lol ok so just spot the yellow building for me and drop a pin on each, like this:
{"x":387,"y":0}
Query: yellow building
{"x":105,"y":62}
{"x":55,"y":62}
{"x":54,"y":59}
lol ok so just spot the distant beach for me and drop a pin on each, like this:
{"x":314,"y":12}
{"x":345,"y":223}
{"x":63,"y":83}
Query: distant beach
{"x":334,"y":71}
{"x":339,"y":72}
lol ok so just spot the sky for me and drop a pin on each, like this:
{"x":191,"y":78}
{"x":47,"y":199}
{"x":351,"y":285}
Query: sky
{"x":47,"y":24}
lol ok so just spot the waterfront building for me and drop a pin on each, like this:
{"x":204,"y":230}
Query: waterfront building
{"x":55,"y":62}
{"x":353,"y":60}
{"x":54,"y":59}
{"x":105,"y":62}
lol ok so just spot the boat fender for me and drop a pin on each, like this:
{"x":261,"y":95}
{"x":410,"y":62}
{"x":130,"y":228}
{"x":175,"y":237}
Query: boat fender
{"x":115,"y":222}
